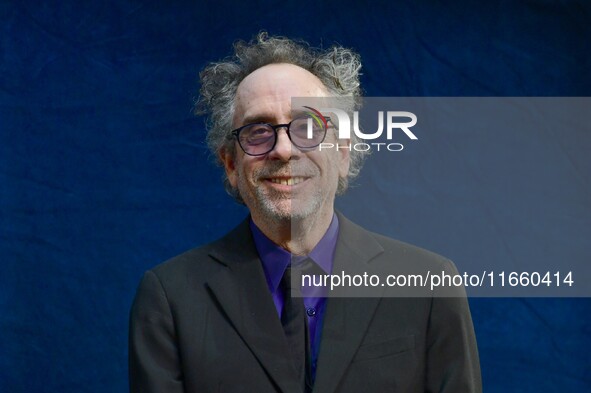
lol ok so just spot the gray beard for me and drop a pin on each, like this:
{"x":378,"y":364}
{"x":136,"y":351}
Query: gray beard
{"x":265,"y":201}
{"x":300,"y":209}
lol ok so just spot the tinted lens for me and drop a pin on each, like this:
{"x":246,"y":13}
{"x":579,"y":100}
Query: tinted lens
{"x":257,"y":139}
{"x":307,"y":131}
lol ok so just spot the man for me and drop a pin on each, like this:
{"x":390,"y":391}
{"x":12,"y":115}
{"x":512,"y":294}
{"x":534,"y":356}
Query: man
{"x":220,"y":318}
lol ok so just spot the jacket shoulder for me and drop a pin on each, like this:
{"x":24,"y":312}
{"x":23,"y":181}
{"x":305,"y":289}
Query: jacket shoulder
{"x":201,"y":262}
{"x":395,"y":251}
{"x":410,"y":251}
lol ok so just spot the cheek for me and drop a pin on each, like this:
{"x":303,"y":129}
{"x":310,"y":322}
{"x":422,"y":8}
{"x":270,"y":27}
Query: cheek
{"x":339,"y":161}
{"x":244,"y":174}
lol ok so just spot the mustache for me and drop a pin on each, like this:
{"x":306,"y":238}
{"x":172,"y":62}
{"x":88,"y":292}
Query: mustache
{"x":279,"y":169}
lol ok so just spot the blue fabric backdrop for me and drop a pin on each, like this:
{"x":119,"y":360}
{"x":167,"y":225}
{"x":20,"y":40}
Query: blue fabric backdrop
{"x":104,"y":172}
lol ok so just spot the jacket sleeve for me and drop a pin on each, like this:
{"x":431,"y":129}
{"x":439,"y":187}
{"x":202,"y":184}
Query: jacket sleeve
{"x":452,"y":354}
{"x":154,"y":362}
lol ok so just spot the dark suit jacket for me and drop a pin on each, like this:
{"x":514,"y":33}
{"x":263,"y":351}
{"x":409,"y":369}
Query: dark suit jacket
{"x":205,"y":322}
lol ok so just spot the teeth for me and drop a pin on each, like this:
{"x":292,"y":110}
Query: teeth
{"x":287,"y":182}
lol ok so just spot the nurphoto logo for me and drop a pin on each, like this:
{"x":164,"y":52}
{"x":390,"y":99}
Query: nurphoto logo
{"x":395,"y":120}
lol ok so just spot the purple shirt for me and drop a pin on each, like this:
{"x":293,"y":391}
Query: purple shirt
{"x":275,"y":260}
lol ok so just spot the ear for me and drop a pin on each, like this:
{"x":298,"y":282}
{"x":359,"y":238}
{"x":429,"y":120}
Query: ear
{"x":229,"y":161}
{"x":344,"y":158}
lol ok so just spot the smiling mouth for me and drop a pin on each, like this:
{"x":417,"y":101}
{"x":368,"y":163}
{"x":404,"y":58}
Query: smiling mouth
{"x":287,"y":181}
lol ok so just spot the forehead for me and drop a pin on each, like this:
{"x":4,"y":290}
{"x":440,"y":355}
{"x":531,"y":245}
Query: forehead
{"x":266,"y":93}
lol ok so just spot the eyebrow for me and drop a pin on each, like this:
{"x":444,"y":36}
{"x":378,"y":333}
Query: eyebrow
{"x":270,"y":118}
{"x":266,"y":117}
{"x":257,"y":119}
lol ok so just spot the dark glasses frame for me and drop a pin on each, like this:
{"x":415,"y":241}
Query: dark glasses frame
{"x":236,"y":133}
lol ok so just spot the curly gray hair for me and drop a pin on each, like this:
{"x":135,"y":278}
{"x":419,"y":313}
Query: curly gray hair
{"x":337,"y":68}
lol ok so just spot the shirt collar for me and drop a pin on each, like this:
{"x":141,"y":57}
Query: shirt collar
{"x":275,"y":259}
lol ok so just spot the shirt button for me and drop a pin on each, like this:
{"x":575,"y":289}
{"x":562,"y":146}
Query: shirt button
{"x":311,"y":312}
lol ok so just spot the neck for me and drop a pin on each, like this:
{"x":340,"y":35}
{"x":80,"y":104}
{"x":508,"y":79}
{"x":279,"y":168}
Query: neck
{"x":298,"y":236}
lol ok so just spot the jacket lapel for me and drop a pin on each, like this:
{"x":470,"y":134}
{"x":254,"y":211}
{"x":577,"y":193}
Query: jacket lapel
{"x":242,"y":292}
{"x":346,"y":318}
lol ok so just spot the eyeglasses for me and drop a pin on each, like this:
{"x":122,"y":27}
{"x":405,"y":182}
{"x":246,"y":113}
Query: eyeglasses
{"x":257,"y":139}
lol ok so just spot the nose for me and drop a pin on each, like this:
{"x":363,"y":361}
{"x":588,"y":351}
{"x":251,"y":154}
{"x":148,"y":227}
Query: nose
{"x":284,"y":150}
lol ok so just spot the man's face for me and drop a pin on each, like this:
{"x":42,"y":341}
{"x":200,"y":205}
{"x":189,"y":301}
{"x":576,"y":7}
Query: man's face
{"x":312,"y":175}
